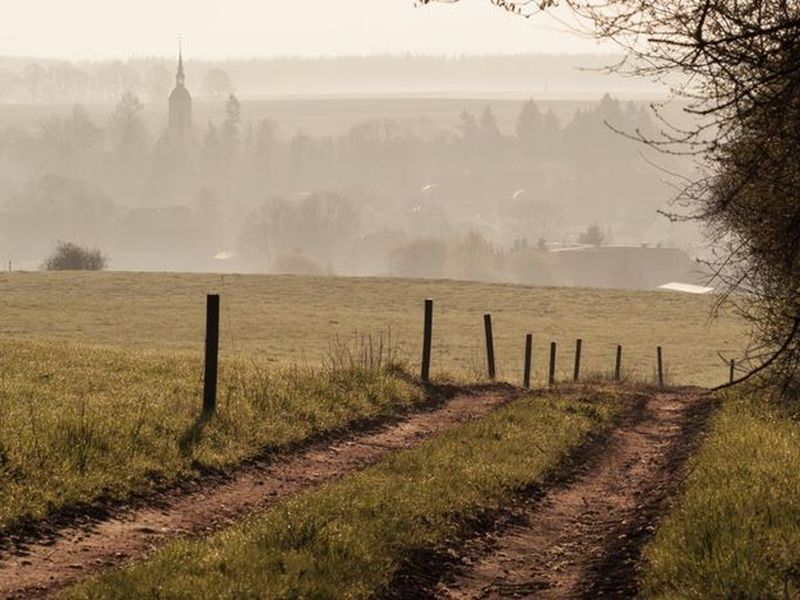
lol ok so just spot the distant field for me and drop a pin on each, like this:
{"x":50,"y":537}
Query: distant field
{"x":293,"y":319}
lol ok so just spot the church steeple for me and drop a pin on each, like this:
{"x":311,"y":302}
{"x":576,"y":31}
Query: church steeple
{"x":180,"y":78}
{"x":180,"y":105}
{"x":176,"y":148}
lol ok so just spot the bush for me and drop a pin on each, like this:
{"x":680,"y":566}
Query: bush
{"x":593,"y":236}
{"x":72,"y":257}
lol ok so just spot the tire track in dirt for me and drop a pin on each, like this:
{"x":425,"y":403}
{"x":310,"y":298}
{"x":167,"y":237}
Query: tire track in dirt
{"x":582,"y":535}
{"x":72,"y":553}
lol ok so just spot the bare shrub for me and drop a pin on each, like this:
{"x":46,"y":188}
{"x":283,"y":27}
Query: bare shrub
{"x":72,"y":257}
{"x":368,"y":351}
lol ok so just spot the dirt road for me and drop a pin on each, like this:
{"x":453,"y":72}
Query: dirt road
{"x":38,"y":567}
{"x":580,"y":536}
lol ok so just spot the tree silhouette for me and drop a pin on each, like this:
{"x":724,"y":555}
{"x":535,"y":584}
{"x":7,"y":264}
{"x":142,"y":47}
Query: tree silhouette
{"x":217,"y":83}
{"x":231,"y":129}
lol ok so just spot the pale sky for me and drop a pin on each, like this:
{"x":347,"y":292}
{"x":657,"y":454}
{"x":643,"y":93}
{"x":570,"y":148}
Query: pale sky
{"x":100,"y":29}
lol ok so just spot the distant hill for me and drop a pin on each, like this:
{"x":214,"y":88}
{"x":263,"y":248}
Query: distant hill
{"x":543,"y":76}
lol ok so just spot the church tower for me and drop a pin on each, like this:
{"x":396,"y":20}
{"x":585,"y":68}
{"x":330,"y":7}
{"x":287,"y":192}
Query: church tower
{"x":180,"y":107}
{"x":176,"y":150}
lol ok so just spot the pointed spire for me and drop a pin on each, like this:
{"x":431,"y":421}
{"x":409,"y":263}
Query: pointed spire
{"x":180,"y":78}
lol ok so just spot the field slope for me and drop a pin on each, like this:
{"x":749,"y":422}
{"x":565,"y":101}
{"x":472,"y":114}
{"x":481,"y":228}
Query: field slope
{"x":293,"y":319}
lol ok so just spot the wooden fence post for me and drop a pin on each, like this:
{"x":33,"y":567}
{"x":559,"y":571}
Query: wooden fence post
{"x":487,"y":326}
{"x":526,"y":380}
{"x":618,"y":365}
{"x":733,"y":371}
{"x":427,"y":339}
{"x":212,"y":354}
{"x":577,"y":374}
{"x":660,"y":367}
{"x":552,"y":376}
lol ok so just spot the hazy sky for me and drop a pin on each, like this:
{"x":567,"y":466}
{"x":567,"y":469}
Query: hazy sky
{"x":94,"y":29}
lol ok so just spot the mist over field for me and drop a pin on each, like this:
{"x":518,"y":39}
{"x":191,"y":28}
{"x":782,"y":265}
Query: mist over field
{"x":399,"y":299}
{"x":496,"y":168}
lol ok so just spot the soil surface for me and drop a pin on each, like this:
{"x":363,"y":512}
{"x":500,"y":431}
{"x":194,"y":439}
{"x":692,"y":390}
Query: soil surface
{"x":580,"y":535}
{"x":39,"y":567}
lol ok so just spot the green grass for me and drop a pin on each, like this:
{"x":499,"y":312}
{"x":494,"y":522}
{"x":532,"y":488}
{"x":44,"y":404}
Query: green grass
{"x":735,"y":532}
{"x":292,"y":319}
{"x":347,"y":539}
{"x":78,"y":423}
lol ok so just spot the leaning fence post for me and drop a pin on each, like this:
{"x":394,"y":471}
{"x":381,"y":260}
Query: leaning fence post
{"x":733,"y":370}
{"x":552,"y":377}
{"x":526,"y":380}
{"x":577,"y":374}
{"x":212,"y":354}
{"x":660,"y":368}
{"x":618,"y":365}
{"x":487,"y":325}
{"x":427,"y":339}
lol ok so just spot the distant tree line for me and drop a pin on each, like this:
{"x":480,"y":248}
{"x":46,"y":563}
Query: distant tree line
{"x":67,"y":82}
{"x":290,"y":197}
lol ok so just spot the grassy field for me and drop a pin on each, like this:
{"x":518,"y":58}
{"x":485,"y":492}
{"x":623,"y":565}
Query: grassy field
{"x":78,"y":423}
{"x":347,"y":539}
{"x":735,"y":533}
{"x":290,"y":319}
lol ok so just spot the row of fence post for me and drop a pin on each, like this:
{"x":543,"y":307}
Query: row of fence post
{"x":212,"y":354}
{"x":491,"y":365}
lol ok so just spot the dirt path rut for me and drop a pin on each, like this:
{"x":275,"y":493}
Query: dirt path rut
{"x":76,"y":552}
{"x":583,"y":538}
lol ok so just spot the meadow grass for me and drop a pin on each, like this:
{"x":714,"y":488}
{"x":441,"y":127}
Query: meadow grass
{"x":289,"y":319}
{"x":79,"y":423}
{"x":348,"y":539}
{"x":735,"y":531}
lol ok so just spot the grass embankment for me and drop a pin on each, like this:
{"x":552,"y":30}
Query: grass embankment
{"x":349,"y":538}
{"x":292,"y":319}
{"x":79,"y":423}
{"x":735,"y":532}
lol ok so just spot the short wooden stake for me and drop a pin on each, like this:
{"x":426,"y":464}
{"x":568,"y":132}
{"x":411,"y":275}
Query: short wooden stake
{"x":526,"y":380}
{"x":427,"y":339}
{"x":618,"y":365}
{"x":577,"y":373}
{"x":660,"y":367}
{"x":212,"y":354}
{"x":733,"y":371}
{"x":487,"y":325}
{"x":552,"y":376}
